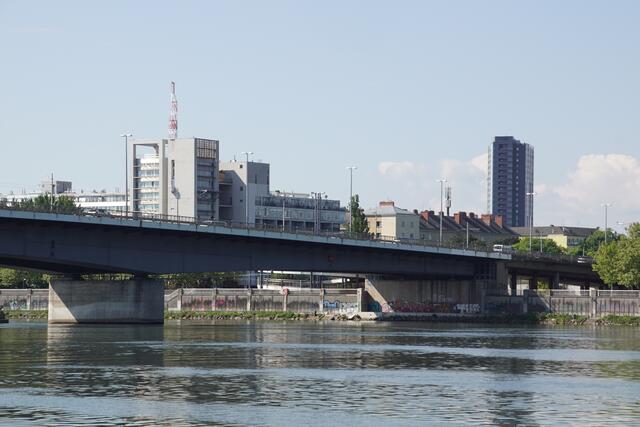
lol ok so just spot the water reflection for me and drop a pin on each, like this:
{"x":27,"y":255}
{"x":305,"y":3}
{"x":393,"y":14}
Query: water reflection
{"x":279,"y":373}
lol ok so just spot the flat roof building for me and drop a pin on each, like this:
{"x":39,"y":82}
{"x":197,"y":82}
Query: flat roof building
{"x":177,"y":177}
{"x":510,"y":178}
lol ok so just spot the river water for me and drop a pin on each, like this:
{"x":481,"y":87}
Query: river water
{"x":308,"y":373}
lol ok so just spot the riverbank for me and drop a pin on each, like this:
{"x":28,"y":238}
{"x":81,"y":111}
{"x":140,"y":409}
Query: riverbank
{"x":241,"y":315}
{"x":550,"y":319}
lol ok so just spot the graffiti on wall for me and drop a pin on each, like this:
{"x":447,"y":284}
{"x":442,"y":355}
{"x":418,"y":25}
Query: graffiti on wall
{"x":339,"y":307}
{"x":402,"y":306}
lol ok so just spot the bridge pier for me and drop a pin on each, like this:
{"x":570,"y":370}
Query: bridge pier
{"x":100,"y":301}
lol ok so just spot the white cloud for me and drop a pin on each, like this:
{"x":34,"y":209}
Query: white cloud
{"x":416,"y":186}
{"x":481,"y":162}
{"x":602,"y":178}
{"x":594,"y":180}
{"x":401,"y":170}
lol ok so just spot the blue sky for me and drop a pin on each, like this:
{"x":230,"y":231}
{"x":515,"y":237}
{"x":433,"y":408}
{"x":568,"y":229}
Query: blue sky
{"x":407,"y":91}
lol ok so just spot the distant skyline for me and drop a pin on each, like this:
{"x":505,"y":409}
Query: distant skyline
{"x":410,"y":92}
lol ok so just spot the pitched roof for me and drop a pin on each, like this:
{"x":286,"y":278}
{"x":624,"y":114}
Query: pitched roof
{"x":556,"y":229}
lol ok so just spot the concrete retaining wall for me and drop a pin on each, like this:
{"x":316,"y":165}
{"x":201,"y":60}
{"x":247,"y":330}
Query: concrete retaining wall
{"x":85,"y":301}
{"x":592,"y":303}
{"x":328,"y":301}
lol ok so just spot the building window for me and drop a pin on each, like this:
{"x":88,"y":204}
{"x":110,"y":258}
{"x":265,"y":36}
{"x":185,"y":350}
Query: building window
{"x":378,"y":224}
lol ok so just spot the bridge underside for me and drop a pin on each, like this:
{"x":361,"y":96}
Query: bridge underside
{"x":84,"y":248}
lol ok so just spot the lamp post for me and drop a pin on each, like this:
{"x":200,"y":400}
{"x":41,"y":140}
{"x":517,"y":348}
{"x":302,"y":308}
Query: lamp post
{"x":441,"y":181}
{"x":126,"y":137}
{"x":246,"y":195}
{"x":606,"y":207}
{"x":317,"y":208}
{"x":531,"y":194}
{"x":284,"y":198}
{"x":351,"y":169}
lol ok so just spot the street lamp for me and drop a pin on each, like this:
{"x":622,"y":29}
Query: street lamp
{"x":441,"y":181}
{"x":351,"y":169}
{"x":317,"y":208}
{"x":606,"y":207}
{"x":531,"y":194}
{"x":284,"y":199}
{"x":246,"y":195}
{"x":126,"y":137}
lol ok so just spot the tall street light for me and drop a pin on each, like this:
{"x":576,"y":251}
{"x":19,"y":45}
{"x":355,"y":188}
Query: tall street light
{"x":606,"y":207}
{"x":531,"y":194}
{"x":246,"y":194}
{"x":441,"y":181}
{"x":126,"y":137}
{"x":351,"y":169}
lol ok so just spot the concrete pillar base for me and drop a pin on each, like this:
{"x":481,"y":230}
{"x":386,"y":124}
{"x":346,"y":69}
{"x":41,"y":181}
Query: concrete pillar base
{"x":96,"y":301}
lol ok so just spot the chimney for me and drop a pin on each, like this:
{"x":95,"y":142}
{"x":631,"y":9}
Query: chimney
{"x":460,"y":218}
{"x":387,"y":203}
{"x":472,"y":215}
{"x":499,"y":221}
{"x":426,"y":215}
{"x":487,"y":218}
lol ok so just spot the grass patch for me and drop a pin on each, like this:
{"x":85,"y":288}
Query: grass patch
{"x":26,"y":314}
{"x":238,"y":315}
{"x":616,"y":320}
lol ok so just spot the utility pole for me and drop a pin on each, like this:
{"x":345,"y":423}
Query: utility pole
{"x":351,"y":169}
{"x":441,"y":181}
{"x":284,"y":198}
{"x":467,"y":223}
{"x":606,"y":207}
{"x":53,"y":189}
{"x":126,"y":137}
{"x":531,"y":194}
{"x":246,"y":193}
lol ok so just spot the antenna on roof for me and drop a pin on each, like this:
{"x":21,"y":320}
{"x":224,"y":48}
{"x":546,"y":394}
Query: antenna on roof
{"x":447,"y":195}
{"x":173,"y":114}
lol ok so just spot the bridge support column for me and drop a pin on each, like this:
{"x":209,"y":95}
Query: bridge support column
{"x":97,"y":301}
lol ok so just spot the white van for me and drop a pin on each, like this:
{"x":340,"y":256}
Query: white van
{"x":506,"y":249}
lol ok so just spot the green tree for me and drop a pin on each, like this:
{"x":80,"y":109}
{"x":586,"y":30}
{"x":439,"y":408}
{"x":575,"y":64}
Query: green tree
{"x":591,"y":244}
{"x":618,"y":262}
{"x":460,"y":240}
{"x":11,"y":278}
{"x":359,"y":224}
{"x":200,"y":280}
{"x":46,"y":203}
{"x":548,"y":246}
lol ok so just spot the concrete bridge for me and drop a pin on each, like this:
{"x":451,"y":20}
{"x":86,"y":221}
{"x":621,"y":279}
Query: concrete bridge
{"x":83,"y":244}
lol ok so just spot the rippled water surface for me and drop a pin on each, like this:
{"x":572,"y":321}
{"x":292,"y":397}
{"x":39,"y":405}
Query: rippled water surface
{"x":299,"y":373}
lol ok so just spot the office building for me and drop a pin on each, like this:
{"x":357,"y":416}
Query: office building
{"x":177,"y":177}
{"x":510,"y":178}
{"x":246,"y":198}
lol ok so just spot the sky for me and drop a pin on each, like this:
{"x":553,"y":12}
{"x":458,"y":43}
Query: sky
{"x":409,"y":92}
